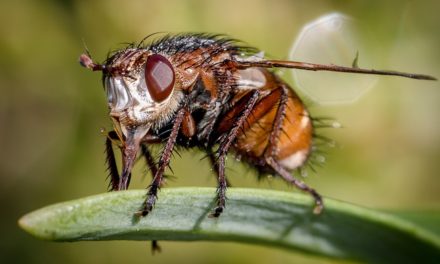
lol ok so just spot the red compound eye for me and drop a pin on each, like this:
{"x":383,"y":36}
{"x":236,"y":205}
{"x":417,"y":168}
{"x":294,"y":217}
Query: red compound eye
{"x":159,"y":77}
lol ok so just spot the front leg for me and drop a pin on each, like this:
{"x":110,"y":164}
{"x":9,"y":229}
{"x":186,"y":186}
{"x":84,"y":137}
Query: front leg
{"x":112,"y":168}
{"x":149,"y":160}
{"x":163,"y":163}
{"x":223,"y":149}
{"x":151,"y":163}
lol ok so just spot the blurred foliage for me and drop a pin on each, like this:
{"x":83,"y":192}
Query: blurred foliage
{"x":51,"y":111}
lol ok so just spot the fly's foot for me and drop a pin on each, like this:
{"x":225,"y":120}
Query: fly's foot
{"x":142,"y":213}
{"x":155,"y":248}
{"x":319,"y":205}
{"x":147,"y":207}
{"x":217,"y":212}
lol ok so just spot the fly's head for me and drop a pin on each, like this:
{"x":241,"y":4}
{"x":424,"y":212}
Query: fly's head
{"x":141,"y":87}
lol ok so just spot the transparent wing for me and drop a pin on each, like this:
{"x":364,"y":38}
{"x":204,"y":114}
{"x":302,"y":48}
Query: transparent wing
{"x":322,"y":47}
{"x":332,"y":39}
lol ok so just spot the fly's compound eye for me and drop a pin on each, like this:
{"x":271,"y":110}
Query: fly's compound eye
{"x":159,"y":77}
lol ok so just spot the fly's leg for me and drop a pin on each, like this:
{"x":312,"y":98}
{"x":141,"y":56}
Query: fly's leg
{"x":155,"y":247}
{"x":271,"y":147}
{"x":222,"y":152}
{"x":214,"y":165}
{"x":153,"y":169}
{"x":149,"y":159}
{"x":270,"y":152}
{"x":222,"y":186}
{"x":319,"y":205}
{"x":151,"y":163}
{"x":163,"y":163}
{"x":113,"y":139}
{"x":112,"y":168}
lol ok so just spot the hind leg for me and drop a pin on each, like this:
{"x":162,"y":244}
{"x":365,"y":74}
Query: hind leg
{"x":271,"y":150}
{"x":280,"y":170}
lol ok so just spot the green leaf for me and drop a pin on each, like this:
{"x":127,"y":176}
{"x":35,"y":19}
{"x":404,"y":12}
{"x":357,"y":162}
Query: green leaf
{"x":272,"y":218}
{"x":428,"y":219}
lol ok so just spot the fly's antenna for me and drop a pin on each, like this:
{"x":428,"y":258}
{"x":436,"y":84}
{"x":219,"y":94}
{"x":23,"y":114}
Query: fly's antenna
{"x":86,"y":61}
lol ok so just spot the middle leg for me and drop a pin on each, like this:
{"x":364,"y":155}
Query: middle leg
{"x":223,"y":149}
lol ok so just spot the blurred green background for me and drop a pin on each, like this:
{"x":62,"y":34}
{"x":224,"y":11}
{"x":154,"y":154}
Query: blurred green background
{"x":52,"y":111}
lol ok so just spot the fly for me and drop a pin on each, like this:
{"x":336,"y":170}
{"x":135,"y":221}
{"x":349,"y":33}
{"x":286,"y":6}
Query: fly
{"x":207,"y":91}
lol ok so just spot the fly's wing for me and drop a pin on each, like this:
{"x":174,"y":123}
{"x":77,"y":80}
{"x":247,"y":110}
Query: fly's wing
{"x":330,"y":40}
{"x":334,"y":39}
{"x":243,"y":64}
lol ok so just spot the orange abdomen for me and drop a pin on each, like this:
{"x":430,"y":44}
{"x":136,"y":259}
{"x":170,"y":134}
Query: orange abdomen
{"x":292,"y":143}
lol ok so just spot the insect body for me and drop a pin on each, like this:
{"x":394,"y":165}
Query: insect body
{"x":206,"y":91}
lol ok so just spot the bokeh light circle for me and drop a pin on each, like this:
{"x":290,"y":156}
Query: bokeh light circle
{"x":331,"y":39}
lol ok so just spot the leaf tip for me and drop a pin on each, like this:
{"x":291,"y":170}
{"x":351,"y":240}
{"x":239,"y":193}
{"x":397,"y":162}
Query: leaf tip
{"x":32,"y":224}
{"x":25,"y":223}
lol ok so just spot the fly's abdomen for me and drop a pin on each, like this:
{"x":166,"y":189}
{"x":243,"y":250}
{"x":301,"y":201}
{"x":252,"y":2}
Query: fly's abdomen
{"x":279,"y":126}
{"x":295,"y":139}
